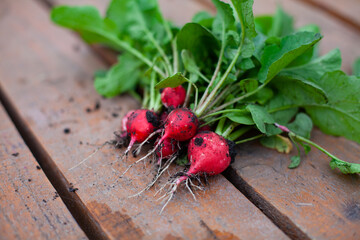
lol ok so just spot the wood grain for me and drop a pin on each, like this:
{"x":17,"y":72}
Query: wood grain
{"x":336,"y":35}
{"x":29,"y":206}
{"x":323,"y":203}
{"x":295,"y":219}
{"x":346,"y":11}
{"x":53,"y":91}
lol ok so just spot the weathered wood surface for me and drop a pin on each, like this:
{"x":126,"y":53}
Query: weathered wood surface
{"x":48,"y":76}
{"x":346,"y":11}
{"x":305,"y":201}
{"x":323,"y":203}
{"x":29,"y":206}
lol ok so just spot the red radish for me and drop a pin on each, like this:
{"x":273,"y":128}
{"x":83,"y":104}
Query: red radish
{"x":209,"y":154}
{"x":166,"y":149}
{"x":173,"y":97}
{"x":204,"y":128}
{"x":163,"y":117}
{"x":140,"y":125}
{"x":180,"y":125}
{"x":124,"y":121}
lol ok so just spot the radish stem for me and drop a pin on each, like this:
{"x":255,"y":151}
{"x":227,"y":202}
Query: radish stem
{"x":238,"y":133}
{"x":218,"y":65}
{"x":249,"y":139}
{"x":229,"y":130}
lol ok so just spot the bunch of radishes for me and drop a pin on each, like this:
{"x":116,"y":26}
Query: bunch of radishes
{"x":208,"y":153}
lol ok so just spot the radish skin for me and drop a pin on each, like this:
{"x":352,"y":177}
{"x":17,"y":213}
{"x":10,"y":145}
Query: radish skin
{"x":173,"y":97}
{"x":141,"y":123}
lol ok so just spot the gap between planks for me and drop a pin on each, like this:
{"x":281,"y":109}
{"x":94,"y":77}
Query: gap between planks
{"x":72,"y":201}
{"x":281,"y":221}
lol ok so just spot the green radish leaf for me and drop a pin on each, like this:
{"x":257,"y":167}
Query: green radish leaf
{"x":87,"y":21}
{"x":295,"y":162}
{"x":281,"y":108}
{"x":345,"y":167}
{"x":260,"y":117}
{"x":263,"y":24}
{"x":273,"y":40}
{"x":309,"y":28}
{"x":300,"y":91}
{"x":262,"y":96}
{"x":224,"y":18}
{"x":122,"y":77}
{"x":248,"y":85}
{"x":246,"y":64}
{"x":198,"y":40}
{"x":307,"y":148}
{"x":282,"y":23}
{"x":232,"y":39}
{"x":224,"y":12}
{"x":271,"y":130}
{"x":244,"y":10}
{"x":302,"y":125}
{"x":100,"y":73}
{"x":312,"y":52}
{"x":356,"y":68}
{"x":203,"y":18}
{"x":275,"y":58}
{"x":173,"y":81}
{"x":241,"y":116}
{"x":137,"y":19}
{"x":189,"y":62}
{"x":277,"y":142}
{"x":340,"y":116}
{"x":259,"y":42}
{"x":182,"y":161}
{"x":316,"y":68}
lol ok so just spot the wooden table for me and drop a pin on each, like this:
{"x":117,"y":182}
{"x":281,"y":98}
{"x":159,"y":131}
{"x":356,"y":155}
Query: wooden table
{"x":49,"y":122}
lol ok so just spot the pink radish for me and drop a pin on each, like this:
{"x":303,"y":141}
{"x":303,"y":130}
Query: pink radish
{"x":173,"y":97}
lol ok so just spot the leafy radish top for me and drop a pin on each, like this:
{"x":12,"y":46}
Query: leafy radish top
{"x":240,"y":72}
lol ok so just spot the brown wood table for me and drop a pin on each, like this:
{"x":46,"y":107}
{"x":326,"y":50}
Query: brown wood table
{"x":51,"y":123}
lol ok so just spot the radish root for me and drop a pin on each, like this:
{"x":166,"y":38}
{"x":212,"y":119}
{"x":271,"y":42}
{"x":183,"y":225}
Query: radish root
{"x":92,"y":154}
{"x":159,"y":173}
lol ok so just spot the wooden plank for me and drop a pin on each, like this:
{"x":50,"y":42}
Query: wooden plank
{"x":346,"y":11}
{"x":295,"y":219}
{"x":178,"y":11}
{"x":30,"y":207}
{"x":322,"y":202}
{"x":52,"y":92}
